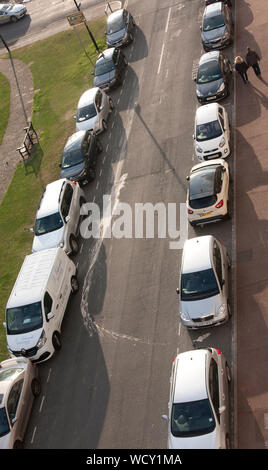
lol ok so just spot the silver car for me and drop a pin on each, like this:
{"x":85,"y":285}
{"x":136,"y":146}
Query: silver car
{"x":11,"y":12}
{"x":204,"y":283}
{"x":199,"y":413}
{"x":93,"y":109}
{"x":19,"y":385}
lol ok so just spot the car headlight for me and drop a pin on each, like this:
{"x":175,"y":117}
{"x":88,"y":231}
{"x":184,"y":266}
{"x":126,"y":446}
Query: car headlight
{"x":226,"y":35}
{"x":42,"y":340}
{"x":222,"y":142}
{"x":185,"y":316}
{"x":198,"y":149}
{"x":198,"y":92}
{"x":222,"y":87}
{"x":221,"y":310}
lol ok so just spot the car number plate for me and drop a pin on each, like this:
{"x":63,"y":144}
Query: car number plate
{"x":205,"y":214}
{"x":211,"y":98}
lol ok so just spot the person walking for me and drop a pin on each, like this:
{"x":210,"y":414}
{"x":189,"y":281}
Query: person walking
{"x":241,"y":67}
{"x":252,"y":59}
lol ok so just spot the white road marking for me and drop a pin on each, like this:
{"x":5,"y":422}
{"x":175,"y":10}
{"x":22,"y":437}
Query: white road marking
{"x":167,"y":23}
{"x":100,"y":171}
{"x":42,"y":402}
{"x":49,"y":372}
{"x":33,"y":434}
{"x":161,"y":57}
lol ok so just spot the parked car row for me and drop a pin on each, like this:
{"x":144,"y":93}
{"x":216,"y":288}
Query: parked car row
{"x":48,"y":276}
{"x":198,"y":409}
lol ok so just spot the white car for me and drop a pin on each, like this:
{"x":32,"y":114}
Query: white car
{"x":19,"y":385}
{"x":58,"y":217}
{"x":11,"y":12}
{"x":203,"y":283}
{"x":199,"y":401}
{"x":211,"y":132}
{"x":208,"y":192}
{"x":93,"y":109}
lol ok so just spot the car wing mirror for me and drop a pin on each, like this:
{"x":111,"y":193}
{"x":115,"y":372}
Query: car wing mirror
{"x":67,"y":218}
{"x":222,"y":409}
{"x":4,"y":324}
{"x":50,"y":315}
{"x":164,"y":417}
{"x":31,"y":230}
{"x":74,"y":117}
{"x":187,"y":177}
{"x":178,"y":290}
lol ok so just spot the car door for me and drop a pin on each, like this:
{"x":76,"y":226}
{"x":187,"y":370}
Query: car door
{"x":68,"y":212}
{"x":221,"y":270}
{"x":17,"y":410}
{"x":217,"y":397}
{"x":223,"y":117}
{"x":4,"y":17}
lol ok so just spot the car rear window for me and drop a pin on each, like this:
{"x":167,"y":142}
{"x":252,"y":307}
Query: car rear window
{"x":208,"y":72}
{"x":193,"y":418}
{"x":213,"y":22}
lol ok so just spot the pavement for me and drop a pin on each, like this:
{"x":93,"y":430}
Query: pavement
{"x":252,"y":231}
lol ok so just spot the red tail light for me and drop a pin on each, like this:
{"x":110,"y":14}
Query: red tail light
{"x":218,"y":352}
{"x":190,"y":211}
{"x":219,"y":205}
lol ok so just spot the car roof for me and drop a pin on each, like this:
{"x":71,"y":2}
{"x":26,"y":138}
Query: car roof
{"x":196,"y":254}
{"x":213,"y":9}
{"x":50,"y":200}
{"x":115,"y":16}
{"x":190,"y":380}
{"x":212,"y":55}
{"x":75,"y":140}
{"x":106,"y":54}
{"x":87,"y":97}
{"x":5,"y":380}
{"x":207,"y":113}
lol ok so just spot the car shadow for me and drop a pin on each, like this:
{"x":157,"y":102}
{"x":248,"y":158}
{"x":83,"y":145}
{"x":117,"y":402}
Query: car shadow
{"x":139,"y":48}
{"x":12,"y":32}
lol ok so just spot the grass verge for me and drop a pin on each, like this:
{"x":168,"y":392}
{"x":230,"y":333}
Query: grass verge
{"x":4,"y":104}
{"x":61,"y":73}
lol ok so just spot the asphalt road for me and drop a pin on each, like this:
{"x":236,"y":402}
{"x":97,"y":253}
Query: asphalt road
{"x":109,"y":384}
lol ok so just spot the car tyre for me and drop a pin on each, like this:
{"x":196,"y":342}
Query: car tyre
{"x":99,"y":146}
{"x":228,"y":373}
{"x":111,"y":104}
{"x":74,"y":245}
{"x":56,"y":341}
{"x":13,"y":19}
{"x":18,"y":444}
{"x":104,"y":125}
{"x":36,"y":387}
{"x":74,"y":284}
{"x":227,"y":442}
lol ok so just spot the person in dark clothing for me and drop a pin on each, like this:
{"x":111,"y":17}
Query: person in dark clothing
{"x":241,"y":67}
{"x":252,"y":59}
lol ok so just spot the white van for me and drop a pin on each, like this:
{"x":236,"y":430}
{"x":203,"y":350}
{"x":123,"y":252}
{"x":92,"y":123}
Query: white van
{"x":37,"y":304}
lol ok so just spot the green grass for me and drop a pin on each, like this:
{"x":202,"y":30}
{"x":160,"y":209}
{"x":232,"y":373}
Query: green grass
{"x":4,"y":104}
{"x":61,"y":73}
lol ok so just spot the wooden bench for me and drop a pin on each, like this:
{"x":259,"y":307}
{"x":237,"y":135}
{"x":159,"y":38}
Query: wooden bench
{"x":29,"y":140}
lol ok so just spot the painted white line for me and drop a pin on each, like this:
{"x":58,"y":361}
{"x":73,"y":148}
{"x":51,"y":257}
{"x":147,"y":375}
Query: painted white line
{"x":179,"y":329}
{"x":161,"y":57}
{"x":169,"y":11}
{"x":110,"y":135}
{"x":42,"y":402}
{"x":100,"y":171}
{"x":104,"y":158}
{"x":49,"y":372}
{"x":121,"y":91}
{"x":98,"y":183}
{"x":33,"y":434}
{"x":94,"y":198}
{"x":107,"y":146}
{"x":112,"y":124}
{"x":118,"y":100}
{"x":81,"y":248}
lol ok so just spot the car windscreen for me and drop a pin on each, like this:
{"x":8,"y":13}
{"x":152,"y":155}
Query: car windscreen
{"x":24,"y":319}
{"x":105,"y":66}
{"x":72,"y":158}
{"x":208,"y":72}
{"x":4,"y":426}
{"x":193,"y":418}
{"x":198,"y":285}
{"x":213,"y":22}
{"x":208,"y":131}
{"x":85,"y":113}
{"x":48,"y":224}
{"x":115,"y":25}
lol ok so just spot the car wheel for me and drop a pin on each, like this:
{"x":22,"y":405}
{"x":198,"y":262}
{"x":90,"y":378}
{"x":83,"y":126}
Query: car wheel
{"x":18,"y":444}
{"x":13,"y":19}
{"x":99,"y":146}
{"x":228,"y":373}
{"x":74,"y":245}
{"x":92,"y":173}
{"x":229,"y":309}
{"x":74,"y":284}
{"x":104,"y":125}
{"x":56,"y":341}
{"x":36,"y":387}
{"x":111,"y":104}
{"x":227,"y":442}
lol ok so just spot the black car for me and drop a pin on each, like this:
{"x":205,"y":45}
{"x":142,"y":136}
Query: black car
{"x":80,"y":156}
{"x":217,"y":27}
{"x":109,"y":68}
{"x":120,"y":28}
{"x":213,"y":77}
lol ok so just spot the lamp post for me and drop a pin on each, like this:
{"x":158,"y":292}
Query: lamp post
{"x":78,"y":5}
{"x":16,"y":79}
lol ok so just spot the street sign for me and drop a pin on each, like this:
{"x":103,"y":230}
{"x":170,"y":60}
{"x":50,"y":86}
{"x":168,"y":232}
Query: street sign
{"x":76,"y":18}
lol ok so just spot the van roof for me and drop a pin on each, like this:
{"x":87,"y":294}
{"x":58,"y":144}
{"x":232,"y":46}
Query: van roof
{"x":32,"y":278}
{"x":207,"y":113}
{"x":196,"y":254}
{"x":50,"y":200}
{"x":190,"y":379}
